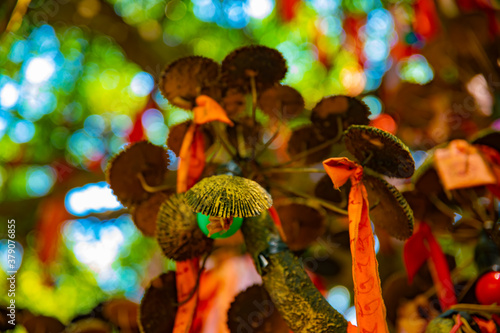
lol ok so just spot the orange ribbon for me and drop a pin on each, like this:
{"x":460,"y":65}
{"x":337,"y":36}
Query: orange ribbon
{"x":191,"y":165}
{"x":370,"y":307}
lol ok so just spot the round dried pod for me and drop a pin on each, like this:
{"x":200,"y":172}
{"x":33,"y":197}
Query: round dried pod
{"x":187,"y":78}
{"x":177,"y":230}
{"x":488,"y":138}
{"x":34,"y":324}
{"x":159,"y":305}
{"x":306,"y":139}
{"x":145,"y":213}
{"x":330,"y":110}
{"x":234,"y":102}
{"x":177,"y":132}
{"x":426,"y":178}
{"x":424,"y":210}
{"x":123,"y":313}
{"x":303,"y":221}
{"x":265,"y":65}
{"x":138,"y":158}
{"x":253,"y":311}
{"x":380,"y":151}
{"x":228,"y":196}
{"x":391,"y":212}
{"x":325,"y":190}
{"x":244,"y":132}
{"x":89,"y":325}
{"x":281,"y":102}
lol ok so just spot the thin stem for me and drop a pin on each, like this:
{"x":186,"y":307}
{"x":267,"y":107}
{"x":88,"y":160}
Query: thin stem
{"x":305,"y":153}
{"x":294,"y":170}
{"x":476,"y":308}
{"x":254,"y":108}
{"x":441,"y":206}
{"x":223,"y":140}
{"x":268,"y":143}
{"x":215,"y":152}
{"x":322,"y":202}
{"x":149,"y":188}
{"x":368,"y":158}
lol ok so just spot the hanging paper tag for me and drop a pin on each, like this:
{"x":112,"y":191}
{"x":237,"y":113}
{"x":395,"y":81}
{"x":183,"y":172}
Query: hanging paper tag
{"x":460,"y":165}
{"x":370,"y":307}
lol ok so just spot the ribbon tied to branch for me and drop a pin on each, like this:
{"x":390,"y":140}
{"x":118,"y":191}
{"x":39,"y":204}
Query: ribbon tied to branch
{"x":370,"y":308}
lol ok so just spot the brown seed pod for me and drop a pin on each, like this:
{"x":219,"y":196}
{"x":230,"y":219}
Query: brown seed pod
{"x":488,"y":138}
{"x":187,"y":78}
{"x":253,"y":311}
{"x":330,"y":110}
{"x":177,"y":230}
{"x":145,"y":213}
{"x":140,"y":157}
{"x":158,"y":305}
{"x":325,"y":190}
{"x":303,"y":221}
{"x":177,"y":132}
{"x":244,"y":132}
{"x":123,"y":313}
{"x":228,"y":196}
{"x":391,"y":212}
{"x":267,"y":66}
{"x":380,"y":151}
{"x":304,"y":139}
{"x":426,"y":178}
{"x":424,"y":210}
{"x":89,"y":325}
{"x":234,"y":102}
{"x":281,"y":102}
{"x":34,"y":324}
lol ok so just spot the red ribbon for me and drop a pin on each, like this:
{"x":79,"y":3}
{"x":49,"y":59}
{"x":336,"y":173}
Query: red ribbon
{"x":417,"y":250}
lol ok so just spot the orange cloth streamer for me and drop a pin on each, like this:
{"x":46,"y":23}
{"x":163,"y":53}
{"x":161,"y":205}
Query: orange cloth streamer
{"x":209,"y":110}
{"x":191,"y":165}
{"x":370,"y":307}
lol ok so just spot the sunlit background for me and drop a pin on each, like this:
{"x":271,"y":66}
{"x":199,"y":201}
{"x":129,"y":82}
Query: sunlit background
{"x":73,"y":89}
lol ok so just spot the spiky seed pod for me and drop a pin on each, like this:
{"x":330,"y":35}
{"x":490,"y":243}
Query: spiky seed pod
{"x":307,"y":138}
{"x":177,"y":132}
{"x":158,"y":305}
{"x":228,"y":196}
{"x":350,"y":111}
{"x":187,"y":78}
{"x":253,"y":310}
{"x":281,"y":101}
{"x":139,"y":157}
{"x":89,"y":325}
{"x":391,"y":212}
{"x":145,"y":213}
{"x":303,"y":221}
{"x":177,"y":230}
{"x":379,"y":150}
{"x":267,"y":66}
